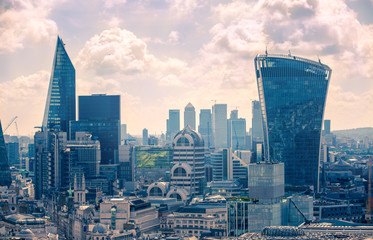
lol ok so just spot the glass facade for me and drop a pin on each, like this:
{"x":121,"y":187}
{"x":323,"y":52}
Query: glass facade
{"x":60,"y":106}
{"x":292,"y":94}
{"x":5,"y":178}
{"x":205,"y":126}
{"x":190,"y":116}
{"x":99,"y":107}
{"x":173,"y":123}
{"x":99,"y":114}
{"x":219,"y":124}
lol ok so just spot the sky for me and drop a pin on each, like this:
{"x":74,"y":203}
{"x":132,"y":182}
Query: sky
{"x":161,"y":54}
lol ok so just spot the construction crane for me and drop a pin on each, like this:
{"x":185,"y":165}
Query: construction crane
{"x":13,"y":119}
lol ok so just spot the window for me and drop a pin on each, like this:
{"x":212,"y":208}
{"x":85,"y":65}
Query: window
{"x":180,"y":172}
{"x":183,"y":141}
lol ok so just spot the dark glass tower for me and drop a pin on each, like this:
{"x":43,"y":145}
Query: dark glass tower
{"x":292,"y":92}
{"x":5,"y":178}
{"x":60,"y":106}
{"x":99,"y":114}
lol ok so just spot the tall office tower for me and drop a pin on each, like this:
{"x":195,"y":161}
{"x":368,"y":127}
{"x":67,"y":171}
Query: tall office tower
{"x":228,"y":166}
{"x":236,"y":131}
{"x":292,"y":92}
{"x":99,"y":114}
{"x":327,"y":126}
{"x":190,"y":116}
{"x":257,"y":126}
{"x":145,"y":137}
{"x":263,"y":207}
{"x":13,"y":153}
{"x":188,"y":171}
{"x":60,"y":105}
{"x":82,"y":156}
{"x":49,"y":163}
{"x":219,"y":124}
{"x":173,"y":123}
{"x":205,"y":127}
{"x":5,"y":178}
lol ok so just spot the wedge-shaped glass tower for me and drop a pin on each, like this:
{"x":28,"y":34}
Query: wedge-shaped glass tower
{"x":5,"y":178}
{"x":60,"y":106}
{"x":292,"y":92}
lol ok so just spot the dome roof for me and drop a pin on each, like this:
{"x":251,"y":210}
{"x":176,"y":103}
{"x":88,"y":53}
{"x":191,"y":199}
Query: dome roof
{"x":99,"y":228}
{"x":197,"y":138}
{"x":26,"y":234}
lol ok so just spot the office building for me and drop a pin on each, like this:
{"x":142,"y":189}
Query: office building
{"x":188,"y":171}
{"x":190,"y":116}
{"x":99,"y":114}
{"x":13,"y":153}
{"x":198,"y":219}
{"x":263,"y":206}
{"x":257,"y":126}
{"x":145,"y":137}
{"x":236,"y":128}
{"x":219,"y":124}
{"x":5,"y":178}
{"x":173,"y":123}
{"x":227,"y":166}
{"x":123,"y":132}
{"x":205,"y":127}
{"x":292,"y":92}
{"x":49,"y":166}
{"x":60,"y":105}
{"x":83,"y":156}
{"x":327,"y":126}
{"x":126,"y":161}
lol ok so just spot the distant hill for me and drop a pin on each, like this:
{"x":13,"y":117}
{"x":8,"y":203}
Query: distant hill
{"x":356,"y":133}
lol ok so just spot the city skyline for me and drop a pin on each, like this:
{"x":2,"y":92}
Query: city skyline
{"x":156,"y":66}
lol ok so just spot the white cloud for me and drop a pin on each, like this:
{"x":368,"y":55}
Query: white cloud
{"x":25,"y":21}
{"x":184,"y":8}
{"x":173,"y":37}
{"x":113,"y":3}
{"x":24,"y":97}
{"x":120,"y":51}
{"x":309,"y":28}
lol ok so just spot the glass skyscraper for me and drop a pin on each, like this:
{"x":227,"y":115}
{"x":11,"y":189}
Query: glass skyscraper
{"x":292,"y":92}
{"x":205,"y":126}
{"x":99,"y":114}
{"x":60,"y":106}
{"x":190,"y":116}
{"x":219,"y":124}
{"x":5,"y":178}
{"x":173,"y":123}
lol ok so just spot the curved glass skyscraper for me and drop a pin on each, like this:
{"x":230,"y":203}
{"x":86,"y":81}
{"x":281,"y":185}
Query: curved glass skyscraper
{"x":292,"y":92}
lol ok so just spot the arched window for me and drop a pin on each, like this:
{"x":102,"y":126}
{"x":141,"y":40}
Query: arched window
{"x":176,"y":195}
{"x":155,"y":192}
{"x":180,"y":172}
{"x":183,"y":141}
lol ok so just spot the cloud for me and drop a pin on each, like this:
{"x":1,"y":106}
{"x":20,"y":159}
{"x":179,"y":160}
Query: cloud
{"x":24,"y":97}
{"x":25,"y":21}
{"x":184,"y":8}
{"x":113,"y":3}
{"x":308,"y":28}
{"x":120,"y":51}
